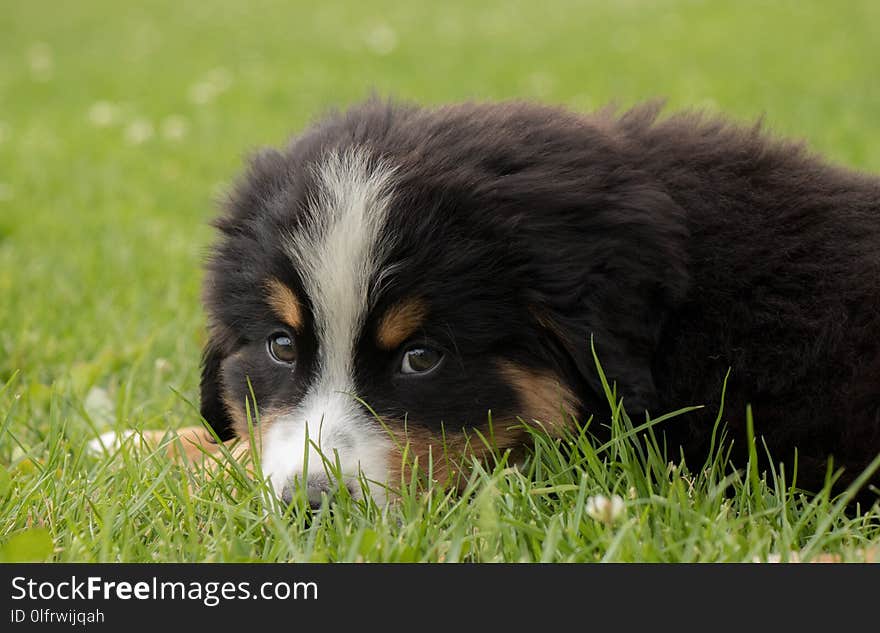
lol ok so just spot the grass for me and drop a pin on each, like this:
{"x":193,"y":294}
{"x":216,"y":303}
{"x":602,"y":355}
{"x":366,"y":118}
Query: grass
{"x":120,"y":125}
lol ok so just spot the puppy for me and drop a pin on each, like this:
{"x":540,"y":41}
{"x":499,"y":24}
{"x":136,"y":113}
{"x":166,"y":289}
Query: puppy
{"x":398,"y":276}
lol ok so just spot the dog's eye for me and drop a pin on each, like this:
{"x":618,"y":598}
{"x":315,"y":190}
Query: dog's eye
{"x":281,"y":348}
{"x":420,"y":360}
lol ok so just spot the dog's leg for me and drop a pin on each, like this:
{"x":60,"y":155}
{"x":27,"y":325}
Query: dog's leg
{"x":189,"y":444}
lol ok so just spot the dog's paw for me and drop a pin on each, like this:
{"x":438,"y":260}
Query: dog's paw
{"x":109,"y":442}
{"x":187,"y":444}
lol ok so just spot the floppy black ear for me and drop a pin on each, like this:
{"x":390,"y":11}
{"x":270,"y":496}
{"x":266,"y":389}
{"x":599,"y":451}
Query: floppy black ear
{"x":624,"y":358}
{"x":613,"y":274}
{"x":213,"y":407}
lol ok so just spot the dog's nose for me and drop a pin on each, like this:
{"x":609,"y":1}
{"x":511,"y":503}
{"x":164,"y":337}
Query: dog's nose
{"x":316,"y":488}
{"x":287,"y":494}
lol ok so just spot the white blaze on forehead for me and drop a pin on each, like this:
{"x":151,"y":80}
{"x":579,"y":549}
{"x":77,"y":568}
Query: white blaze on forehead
{"x":340,"y":248}
{"x":338,"y":251}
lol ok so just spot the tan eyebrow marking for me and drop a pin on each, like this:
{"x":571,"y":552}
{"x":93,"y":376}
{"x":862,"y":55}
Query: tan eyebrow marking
{"x":399,"y":322}
{"x":285,"y":303}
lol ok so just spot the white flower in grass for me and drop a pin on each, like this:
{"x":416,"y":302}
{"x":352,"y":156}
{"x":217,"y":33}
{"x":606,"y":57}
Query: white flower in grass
{"x":201,"y":93}
{"x":605,"y":510}
{"x":213,"y":84}
{"x":138,"y":131}
{"x":103,"y":113}
{"x":381,"y":39}
{"x":41,"y":61}
{"x":775,"y":558}
{"x":174,"y":127}
{"x":220,"y":77}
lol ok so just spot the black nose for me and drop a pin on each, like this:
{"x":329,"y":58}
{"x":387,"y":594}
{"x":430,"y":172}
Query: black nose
{"x":287,"y":494}
{"x":317,"y":487}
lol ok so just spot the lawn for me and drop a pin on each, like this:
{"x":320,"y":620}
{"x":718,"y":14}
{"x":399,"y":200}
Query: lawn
{"x":120,"y":126}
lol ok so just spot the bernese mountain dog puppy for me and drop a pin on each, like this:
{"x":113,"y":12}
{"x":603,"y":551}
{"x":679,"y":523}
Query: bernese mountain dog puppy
{"x":400,"y":276}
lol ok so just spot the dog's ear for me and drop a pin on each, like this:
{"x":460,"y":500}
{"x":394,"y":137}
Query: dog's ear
{"x":213,"y":406}
{"x":612,"y":276}
{"x":624,"y":358}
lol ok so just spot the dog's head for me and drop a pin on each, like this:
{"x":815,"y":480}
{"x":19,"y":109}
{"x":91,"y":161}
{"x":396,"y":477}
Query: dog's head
{"x":398,"y":277}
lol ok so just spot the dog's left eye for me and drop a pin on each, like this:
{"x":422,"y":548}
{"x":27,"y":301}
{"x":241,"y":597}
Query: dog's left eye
{"x":282,"y":349}
{"x":420,"y":360}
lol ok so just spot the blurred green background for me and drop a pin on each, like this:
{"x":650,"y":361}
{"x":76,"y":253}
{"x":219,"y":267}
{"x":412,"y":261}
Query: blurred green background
{"x":120,"y":126}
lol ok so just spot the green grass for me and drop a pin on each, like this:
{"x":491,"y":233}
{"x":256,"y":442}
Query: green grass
{"x":119,"y":126}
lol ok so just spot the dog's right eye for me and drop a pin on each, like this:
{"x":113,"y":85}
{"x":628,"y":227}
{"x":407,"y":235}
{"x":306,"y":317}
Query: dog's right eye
{"x":282,"y":349}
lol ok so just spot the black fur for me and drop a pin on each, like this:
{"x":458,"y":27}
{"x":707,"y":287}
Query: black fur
{"x":684,"y":246}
